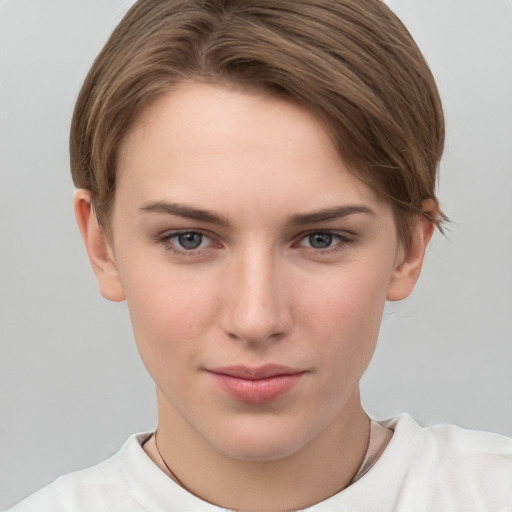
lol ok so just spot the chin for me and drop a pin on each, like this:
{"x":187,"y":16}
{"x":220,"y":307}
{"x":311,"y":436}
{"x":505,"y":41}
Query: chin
{"x":259,"y":443}
{"x":262,"y":450}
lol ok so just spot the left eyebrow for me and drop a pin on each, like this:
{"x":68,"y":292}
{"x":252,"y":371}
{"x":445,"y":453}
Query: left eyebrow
{"x":185,"y":211}
{"x":328,"y":214}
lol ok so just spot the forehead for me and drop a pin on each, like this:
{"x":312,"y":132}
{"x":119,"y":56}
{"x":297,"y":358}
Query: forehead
{"x":209,"y":143}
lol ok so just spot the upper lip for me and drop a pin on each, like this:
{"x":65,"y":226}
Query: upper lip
{"x":255,"y":372}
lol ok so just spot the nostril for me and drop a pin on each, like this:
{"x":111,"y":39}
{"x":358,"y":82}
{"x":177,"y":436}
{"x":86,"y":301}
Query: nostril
{"x":268,"y":326}
{"x":254,"y":307}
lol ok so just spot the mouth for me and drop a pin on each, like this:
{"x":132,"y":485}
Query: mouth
{"x":256,"y":385}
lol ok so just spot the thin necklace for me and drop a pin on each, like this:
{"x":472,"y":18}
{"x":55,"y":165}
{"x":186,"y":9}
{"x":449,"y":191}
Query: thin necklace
{"x":365,"y":453}
{"x":174,"y":476}
{"x":179,"y":482}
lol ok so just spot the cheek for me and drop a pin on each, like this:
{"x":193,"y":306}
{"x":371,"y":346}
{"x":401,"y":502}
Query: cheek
{"x":345,"y":317}
{"x":170,"y":313}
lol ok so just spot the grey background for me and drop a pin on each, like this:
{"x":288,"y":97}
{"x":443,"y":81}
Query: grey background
{"x":72,"y":387}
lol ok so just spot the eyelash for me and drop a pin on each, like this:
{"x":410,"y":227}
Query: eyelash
{"x":166,"y":240}
{"x":342,"y":243}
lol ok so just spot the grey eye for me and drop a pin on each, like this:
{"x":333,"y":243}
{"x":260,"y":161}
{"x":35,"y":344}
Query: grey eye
{"x":320,"y":240}
{"x":190,"y":240}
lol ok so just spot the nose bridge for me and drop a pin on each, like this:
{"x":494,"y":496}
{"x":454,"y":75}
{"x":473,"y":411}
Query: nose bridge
{"x":256,"y":308}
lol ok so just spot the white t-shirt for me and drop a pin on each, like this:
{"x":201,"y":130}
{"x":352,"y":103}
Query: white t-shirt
{"x":436,"y":469}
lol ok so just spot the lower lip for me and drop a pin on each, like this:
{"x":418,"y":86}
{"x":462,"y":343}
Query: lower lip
{"x":259,"y":391}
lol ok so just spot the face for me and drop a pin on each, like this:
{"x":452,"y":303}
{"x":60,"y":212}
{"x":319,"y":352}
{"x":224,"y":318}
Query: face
{"x":255,"y":268}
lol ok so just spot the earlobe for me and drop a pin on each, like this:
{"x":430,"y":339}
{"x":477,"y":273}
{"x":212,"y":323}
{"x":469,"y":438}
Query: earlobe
{"x":98,"y":248}
{"x":410,"y":259}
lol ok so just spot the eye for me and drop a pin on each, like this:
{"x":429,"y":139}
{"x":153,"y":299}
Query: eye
{"x":190,"y":240}
{"x":321,"y":240}
{"x":182,"y":242}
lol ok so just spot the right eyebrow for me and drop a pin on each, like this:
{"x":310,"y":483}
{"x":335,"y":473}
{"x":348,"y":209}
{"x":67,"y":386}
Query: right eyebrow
{"x":185,"y":211}
{"x":329,"y":214}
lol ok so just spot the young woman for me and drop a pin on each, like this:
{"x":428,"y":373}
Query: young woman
{"x":256,"y":179}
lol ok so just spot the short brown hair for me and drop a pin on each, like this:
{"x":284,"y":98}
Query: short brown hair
{"x":350,"y":61}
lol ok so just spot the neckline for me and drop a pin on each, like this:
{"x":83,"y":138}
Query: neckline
{"x":375,"y":488}
{"x":379,"y":437}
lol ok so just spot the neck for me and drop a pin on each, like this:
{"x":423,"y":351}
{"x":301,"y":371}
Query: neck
{"x":321,"y":468}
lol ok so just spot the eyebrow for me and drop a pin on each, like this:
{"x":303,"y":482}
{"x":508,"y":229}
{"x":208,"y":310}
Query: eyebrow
{"x":185,"y":211}
{"x":190,"y":212}
{"x":328,"y":214}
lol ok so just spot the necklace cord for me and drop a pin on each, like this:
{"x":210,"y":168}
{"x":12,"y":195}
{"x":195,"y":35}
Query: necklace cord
{"x":173,"y":474}
{"x":352,"y":480}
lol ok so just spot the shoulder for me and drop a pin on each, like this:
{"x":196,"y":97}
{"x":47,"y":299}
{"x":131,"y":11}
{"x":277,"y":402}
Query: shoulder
{"x":129,"y":481}
{"x":100,"y":487}
{"x":455,"y":465}
{"x":447,"y":445}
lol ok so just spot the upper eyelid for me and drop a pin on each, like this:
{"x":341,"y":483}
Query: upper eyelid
{"x":169,"y":234}
{"x":344,"y":239}
{"x":335,"y":232}
{"x":166,"y":240}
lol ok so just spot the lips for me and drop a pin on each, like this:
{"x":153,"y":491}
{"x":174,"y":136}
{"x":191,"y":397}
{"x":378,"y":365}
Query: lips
{"x":257,"y":385}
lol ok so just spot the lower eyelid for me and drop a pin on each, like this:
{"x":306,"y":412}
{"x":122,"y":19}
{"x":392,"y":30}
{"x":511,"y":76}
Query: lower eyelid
{"x":341,"y":238}
{"x":168,"y":240}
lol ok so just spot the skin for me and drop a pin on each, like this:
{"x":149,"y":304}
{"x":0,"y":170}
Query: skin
{"x":256,"y":291}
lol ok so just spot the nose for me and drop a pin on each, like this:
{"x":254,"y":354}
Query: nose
{"x":256,"y":308}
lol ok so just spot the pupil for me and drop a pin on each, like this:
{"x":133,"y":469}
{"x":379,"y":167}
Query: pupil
{"x":190,"y":240}
{"x":320,"y":240}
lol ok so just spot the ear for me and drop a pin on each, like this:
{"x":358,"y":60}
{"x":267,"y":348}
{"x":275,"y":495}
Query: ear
{"x":98,"y":248}
{"x":410,"y":260}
